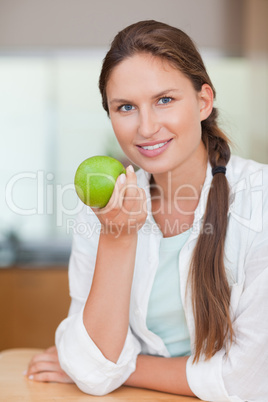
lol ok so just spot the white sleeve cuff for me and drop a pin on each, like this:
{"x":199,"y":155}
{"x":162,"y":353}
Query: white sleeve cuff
{"x":81,"y":359}
{"x":205,"y":379}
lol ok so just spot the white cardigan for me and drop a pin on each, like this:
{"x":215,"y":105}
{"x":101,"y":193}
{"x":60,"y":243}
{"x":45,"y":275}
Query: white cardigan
{"x":239,"y":376}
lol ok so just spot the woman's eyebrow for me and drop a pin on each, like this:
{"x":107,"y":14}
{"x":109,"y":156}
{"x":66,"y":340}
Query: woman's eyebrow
{"x":158,"y":95}
{"x":165,"y":92}
{"x":119,"y":100}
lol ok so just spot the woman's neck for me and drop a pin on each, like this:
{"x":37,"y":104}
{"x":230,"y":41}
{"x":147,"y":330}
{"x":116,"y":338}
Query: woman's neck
{"x":185,"y":181}
{"x":175,"y":195}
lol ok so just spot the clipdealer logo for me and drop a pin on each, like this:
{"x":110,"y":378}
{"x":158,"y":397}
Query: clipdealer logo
{"x":50,"y":198}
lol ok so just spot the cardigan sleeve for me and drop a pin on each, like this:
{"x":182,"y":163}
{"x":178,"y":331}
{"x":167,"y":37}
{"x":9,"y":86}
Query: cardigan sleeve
{"x":79,"y":357}
{"x":241,"y":374}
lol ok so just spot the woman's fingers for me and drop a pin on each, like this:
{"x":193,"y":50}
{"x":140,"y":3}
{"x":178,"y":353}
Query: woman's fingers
{"x":133,"y":195}
{"x":47,"y":371}
{"x":50,"y":355}
{"x":51,"y":376}
{"x":46,"y":367}
{"x":125,"y":212}
{"x":52,"y":349}
{"x":44,"y":357}
{"x":116,"y":198}
{"x":43,"y":365}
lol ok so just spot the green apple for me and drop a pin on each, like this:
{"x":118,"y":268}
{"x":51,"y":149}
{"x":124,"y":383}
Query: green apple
{"x":95,"y":179}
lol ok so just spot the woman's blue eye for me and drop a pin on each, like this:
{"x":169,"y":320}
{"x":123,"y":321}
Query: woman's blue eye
{"x":164,"y":100}
{"x":126,"y":108}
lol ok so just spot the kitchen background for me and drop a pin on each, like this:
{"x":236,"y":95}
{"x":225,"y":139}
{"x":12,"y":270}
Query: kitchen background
{"x":51,"y":119}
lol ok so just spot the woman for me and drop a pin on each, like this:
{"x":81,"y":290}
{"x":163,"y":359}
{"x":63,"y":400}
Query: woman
{"x":169,"y":283}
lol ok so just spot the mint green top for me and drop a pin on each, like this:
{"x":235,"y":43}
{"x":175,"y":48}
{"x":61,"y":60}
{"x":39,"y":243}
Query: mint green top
{"x":165,"y":315}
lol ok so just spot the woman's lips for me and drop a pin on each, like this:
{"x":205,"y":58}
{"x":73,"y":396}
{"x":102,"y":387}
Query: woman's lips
{"x":154,"y":149}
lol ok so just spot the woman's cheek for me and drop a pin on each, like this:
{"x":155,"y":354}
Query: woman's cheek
{"x":124,"y":129}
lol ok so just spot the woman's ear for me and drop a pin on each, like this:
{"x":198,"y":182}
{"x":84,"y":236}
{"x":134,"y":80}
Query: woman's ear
{"x":206,"y":101}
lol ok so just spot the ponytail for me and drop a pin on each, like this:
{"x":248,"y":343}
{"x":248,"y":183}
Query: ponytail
{"x":209,"y":285}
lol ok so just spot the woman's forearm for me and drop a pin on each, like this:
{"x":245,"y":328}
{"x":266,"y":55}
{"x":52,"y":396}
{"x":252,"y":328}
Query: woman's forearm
{"x":106,"y":313}
{"x":161,"y":374}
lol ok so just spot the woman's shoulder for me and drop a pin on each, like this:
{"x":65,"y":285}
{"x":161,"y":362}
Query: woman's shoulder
{"x":248,"y":180}
{"x":242,"y":166}
{"x":241,"y":170}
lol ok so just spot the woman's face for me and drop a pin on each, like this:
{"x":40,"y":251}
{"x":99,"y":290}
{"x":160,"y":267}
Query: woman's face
{"x":156,"y":113}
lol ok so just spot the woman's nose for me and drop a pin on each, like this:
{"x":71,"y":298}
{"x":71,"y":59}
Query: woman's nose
{"x":148,"y":123}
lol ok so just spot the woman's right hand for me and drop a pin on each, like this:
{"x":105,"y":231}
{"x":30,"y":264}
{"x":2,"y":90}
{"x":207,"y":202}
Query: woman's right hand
{"x":126,"y":210}
{"x":45,"y":367}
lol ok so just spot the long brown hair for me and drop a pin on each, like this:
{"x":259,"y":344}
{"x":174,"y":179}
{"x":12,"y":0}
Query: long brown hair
{"x":209,"y":286}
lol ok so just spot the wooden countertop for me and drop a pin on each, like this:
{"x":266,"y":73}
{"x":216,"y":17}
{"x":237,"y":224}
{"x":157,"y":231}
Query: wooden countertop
{"x":14,"y":386}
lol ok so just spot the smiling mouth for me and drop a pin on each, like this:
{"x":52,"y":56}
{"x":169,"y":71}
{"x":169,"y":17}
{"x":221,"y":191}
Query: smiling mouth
{"x":156,"y":146}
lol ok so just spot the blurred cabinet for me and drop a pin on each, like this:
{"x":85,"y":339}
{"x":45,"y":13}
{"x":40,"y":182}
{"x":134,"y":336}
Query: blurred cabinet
{"x":32,"y":304}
